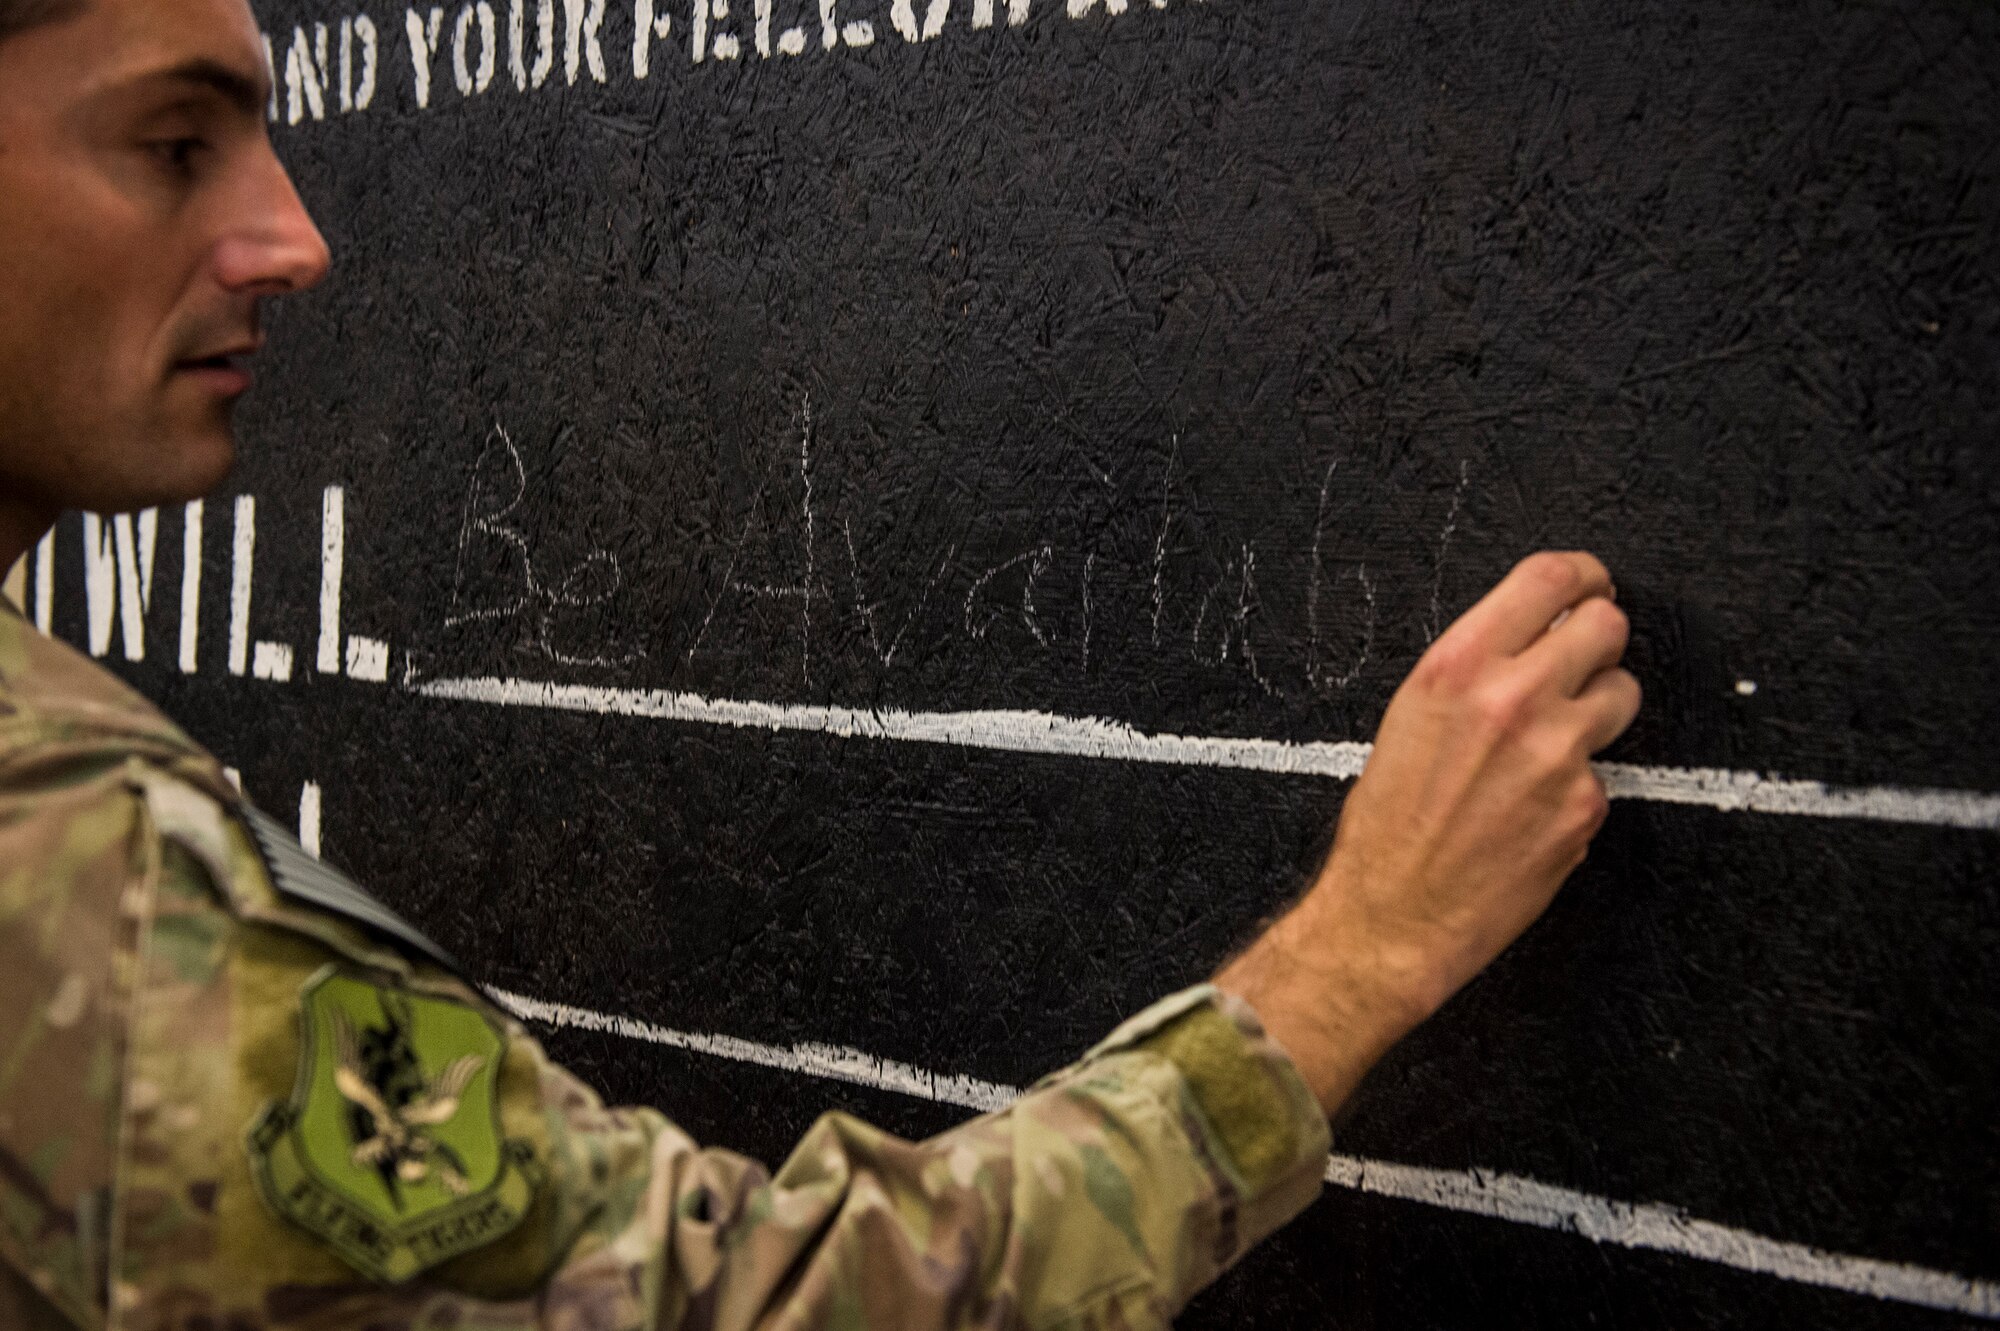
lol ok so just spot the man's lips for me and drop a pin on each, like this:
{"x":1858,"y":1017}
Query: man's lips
{"x":226,"y":373}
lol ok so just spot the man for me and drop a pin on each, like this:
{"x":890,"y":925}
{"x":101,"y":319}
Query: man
{"x":237,"y":1093}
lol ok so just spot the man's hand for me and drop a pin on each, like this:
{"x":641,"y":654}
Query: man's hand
{"x":1476,"y":804}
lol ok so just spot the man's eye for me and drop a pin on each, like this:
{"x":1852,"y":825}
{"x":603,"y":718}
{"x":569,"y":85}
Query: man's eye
{"x":179,"y":154}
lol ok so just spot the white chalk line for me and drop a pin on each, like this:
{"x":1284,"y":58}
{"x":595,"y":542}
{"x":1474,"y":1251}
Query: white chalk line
{"x":1093,"y":737}
{"x":1663,"y":1229}
{"x":833,"y":1062}
{"x":1473,"y":1191}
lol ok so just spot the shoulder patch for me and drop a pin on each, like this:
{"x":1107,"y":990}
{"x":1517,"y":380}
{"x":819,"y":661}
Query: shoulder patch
{"x":305,"y":880}
{"x":390,"y":1148}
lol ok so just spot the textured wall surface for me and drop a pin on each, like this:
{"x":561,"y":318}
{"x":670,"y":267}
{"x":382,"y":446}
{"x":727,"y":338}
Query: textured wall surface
{"x":1186,"y":366}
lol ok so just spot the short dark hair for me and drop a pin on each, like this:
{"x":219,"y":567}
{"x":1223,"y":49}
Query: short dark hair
{"x":20,"y":15}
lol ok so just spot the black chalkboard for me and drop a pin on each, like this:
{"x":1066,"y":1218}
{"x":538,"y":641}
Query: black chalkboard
{"x":1185,"y":365}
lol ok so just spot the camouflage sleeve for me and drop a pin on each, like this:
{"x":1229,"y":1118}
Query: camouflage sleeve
{"x":1104,"y":1197}
{"x":66,"y":856}
{"x":312,"y":1129}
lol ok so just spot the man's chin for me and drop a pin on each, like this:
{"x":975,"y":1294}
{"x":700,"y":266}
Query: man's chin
{"x":207,"y":463}
{"x":186,"y":462}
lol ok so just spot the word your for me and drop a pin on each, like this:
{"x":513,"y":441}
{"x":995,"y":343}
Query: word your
{"x":118,"y":582}
{"x":336,"y":67}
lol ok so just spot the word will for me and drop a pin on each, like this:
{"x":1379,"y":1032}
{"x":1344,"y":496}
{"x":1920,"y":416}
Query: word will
{"x":118,"y":582}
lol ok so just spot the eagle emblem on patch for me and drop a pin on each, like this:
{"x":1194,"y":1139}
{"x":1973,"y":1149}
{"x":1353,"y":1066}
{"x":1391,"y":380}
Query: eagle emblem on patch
{"x":390,"y":1148}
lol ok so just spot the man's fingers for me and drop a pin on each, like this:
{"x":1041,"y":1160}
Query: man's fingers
{"x":1609,"y":703}
{"x":1542,"y":586}
{"x":1588,"y":639}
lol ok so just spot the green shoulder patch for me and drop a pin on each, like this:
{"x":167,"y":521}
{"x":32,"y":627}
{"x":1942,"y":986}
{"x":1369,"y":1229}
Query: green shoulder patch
{"x":389,"y":1149}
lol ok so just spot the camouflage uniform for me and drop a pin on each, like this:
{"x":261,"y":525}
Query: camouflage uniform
{"x":162,"y":999}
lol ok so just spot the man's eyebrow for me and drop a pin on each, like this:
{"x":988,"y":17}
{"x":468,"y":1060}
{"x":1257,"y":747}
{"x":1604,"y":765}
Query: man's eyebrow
{"x":244,"y":93}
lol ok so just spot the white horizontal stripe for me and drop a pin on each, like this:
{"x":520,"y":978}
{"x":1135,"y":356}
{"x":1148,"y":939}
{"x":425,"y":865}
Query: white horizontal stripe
{"x":1718,"y":788}
{"x":1092,"y":737}
{"x":1665,"y":1228}
{"x":1476,"y":1191}
{"x":834,"y":1062}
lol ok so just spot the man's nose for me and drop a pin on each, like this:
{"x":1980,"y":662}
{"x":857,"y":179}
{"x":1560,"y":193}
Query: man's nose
{"x":275,"y":248}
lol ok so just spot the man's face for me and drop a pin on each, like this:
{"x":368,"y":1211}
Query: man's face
{"x":143,"y":216}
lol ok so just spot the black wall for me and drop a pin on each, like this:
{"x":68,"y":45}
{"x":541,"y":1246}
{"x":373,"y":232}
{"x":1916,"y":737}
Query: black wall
{"x":1188,"y":366}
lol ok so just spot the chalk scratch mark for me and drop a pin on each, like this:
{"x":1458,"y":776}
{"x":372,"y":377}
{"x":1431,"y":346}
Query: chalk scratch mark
{"x":1434,"y":622}
{"x":1160,"y":545}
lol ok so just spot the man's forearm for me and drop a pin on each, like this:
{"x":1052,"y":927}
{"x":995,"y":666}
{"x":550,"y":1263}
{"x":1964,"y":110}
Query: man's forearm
{"x":1477,"y":802}
{"x":1330,"y":1008}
